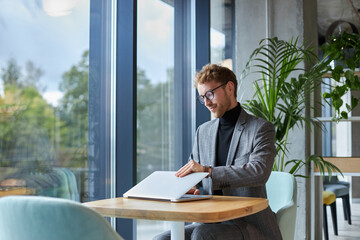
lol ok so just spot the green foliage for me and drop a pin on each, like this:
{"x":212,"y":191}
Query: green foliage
{"x":12,"y":75}
{"x":155,"y":123}
{"x":75,"y":87}
{"x":73,"y":113}
{"x":26,"y":119}
{"x":318,"y":161}
{"x":32,"y":130}
{"x":344,"y":50}
{"x":282,"y":92}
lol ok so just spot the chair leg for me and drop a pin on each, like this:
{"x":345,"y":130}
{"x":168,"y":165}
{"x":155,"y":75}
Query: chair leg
{"x":325,"y":224}
{"x":344,"y":208}
{"x":334,"y":217}
{"x":347,"y":206}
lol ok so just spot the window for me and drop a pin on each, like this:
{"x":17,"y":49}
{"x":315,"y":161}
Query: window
{"x":48,"y":144}
{"x":155,"y":87}
{"x":337,"y":137}
{"x":221,"y":32}
{"x":155,"y":96}
{"x":57,"y":100}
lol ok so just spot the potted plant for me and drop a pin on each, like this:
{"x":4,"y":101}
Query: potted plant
{"x":281,"y":94}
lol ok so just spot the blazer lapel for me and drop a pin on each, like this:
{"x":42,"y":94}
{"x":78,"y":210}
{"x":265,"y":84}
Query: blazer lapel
{"x":212,"y":139}
{"x":239,"y":127}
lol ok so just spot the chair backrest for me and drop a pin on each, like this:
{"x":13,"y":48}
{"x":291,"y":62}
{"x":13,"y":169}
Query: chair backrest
{"x":71,"y":184}
{"x":43,"y":218}
{"x":332,"y":180}
{"x":282,"y":195}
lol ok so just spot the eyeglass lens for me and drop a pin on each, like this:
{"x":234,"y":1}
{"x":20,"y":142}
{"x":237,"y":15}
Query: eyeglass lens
{"x":209,"y":95}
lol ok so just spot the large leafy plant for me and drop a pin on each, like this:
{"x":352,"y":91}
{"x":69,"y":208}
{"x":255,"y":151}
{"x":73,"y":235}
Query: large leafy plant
{"x":281,"y":94}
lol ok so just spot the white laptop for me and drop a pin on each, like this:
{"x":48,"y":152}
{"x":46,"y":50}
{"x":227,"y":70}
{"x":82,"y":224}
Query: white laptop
{"x":165,"y":186}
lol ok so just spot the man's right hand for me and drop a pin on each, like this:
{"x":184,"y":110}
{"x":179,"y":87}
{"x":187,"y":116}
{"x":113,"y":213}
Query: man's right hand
{"x":188,"y":168}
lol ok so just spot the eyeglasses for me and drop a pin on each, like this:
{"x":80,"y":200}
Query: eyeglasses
{"x":209,"y":94}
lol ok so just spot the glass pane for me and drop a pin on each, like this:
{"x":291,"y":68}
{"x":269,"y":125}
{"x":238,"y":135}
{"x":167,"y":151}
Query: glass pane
{"x":155,"y":103}
{"x":221,"y":32}
{"x":336,"y":139}
{"x":44,"y":68}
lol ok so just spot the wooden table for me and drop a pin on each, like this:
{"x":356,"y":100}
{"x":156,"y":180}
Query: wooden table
{"x":217,"y":209}
{"x":16,"y":191}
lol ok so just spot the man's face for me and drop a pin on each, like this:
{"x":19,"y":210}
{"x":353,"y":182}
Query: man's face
{"x":222,"y":100}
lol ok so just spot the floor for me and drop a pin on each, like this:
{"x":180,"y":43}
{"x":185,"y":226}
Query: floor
{"x":345,"y":231}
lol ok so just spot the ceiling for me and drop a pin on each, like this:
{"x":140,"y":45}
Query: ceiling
{"x":330,"y":11}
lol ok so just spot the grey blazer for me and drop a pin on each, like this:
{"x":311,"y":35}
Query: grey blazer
{"x":249,"y":164}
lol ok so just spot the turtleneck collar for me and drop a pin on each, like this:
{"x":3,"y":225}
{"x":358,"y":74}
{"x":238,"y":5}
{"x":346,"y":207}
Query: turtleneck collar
{"x":230,"y":117}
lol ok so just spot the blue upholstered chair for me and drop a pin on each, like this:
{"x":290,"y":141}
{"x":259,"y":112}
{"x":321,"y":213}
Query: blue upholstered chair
{"x":282,"y":195}
{"x":341,"y":190}
{"x":44,"y":218}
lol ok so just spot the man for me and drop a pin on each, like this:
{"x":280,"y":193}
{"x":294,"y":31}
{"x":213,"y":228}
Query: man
{"x":238,"y":151}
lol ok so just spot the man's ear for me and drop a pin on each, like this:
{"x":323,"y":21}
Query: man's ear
{"x":230,"y":85}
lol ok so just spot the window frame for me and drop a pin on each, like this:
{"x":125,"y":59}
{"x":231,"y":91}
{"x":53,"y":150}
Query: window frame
{"x":126,"y":106}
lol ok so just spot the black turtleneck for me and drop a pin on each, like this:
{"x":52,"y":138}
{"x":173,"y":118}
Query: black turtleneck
{"x":226,"y":128}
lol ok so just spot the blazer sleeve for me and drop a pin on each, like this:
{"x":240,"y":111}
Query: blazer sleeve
{"x":254,"y":168}
{"x":194,"y":155}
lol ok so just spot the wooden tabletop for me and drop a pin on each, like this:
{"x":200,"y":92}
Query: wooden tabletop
{"x":217,"y":209}
{"x":16,"y":191}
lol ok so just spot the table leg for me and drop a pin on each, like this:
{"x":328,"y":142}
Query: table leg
{"x":177,"y":230}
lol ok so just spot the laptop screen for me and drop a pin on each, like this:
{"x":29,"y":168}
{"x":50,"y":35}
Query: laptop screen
{"x":164,"y":185}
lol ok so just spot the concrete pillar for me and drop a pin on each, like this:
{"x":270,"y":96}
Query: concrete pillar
{"x":285,"y":19}
{"x":355,"y":191}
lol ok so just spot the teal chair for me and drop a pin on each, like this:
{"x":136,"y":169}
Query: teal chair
{"x":282,"y":195}
{"x":44,"y":218}
{"x":51,"y":182}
